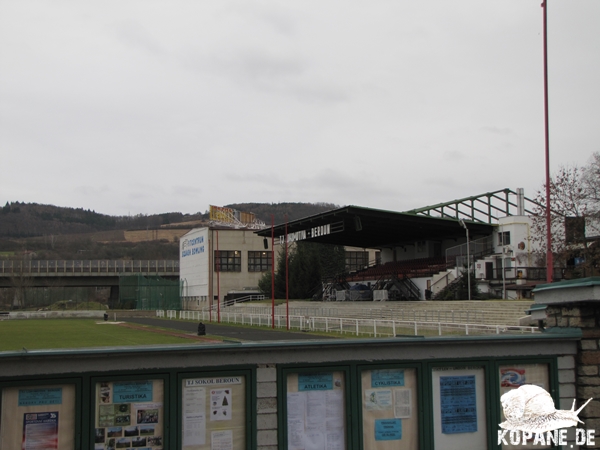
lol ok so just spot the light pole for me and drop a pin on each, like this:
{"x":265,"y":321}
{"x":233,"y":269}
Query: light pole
{"x":462,"y":223}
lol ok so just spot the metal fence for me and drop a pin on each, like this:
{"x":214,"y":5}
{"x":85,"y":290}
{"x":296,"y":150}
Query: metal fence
{"x":88,"y":266}
{"x":148,"y":293}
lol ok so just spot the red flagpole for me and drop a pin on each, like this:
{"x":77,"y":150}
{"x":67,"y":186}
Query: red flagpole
{"x":272,"y":271}
{"x":287,"y":289}
{"x":212,"y":279}
{"x":218,"y":281}
{"x":549,"y":257}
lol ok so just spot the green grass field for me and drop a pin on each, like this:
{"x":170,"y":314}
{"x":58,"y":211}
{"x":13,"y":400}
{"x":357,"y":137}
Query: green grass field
{"x":75,"y":333}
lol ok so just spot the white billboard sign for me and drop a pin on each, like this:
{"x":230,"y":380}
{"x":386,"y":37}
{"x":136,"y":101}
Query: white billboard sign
{"x":194,"y":263}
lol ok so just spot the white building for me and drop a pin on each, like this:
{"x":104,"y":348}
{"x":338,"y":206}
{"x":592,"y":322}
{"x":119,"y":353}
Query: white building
{"x":216,"y":261}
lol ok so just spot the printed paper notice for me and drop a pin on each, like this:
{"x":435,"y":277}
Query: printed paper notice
{"x":315,"y":382}
{"x":132,"y":391}
{"x":387,"y":378}
{"x":334,"y":409}
{"x":314,"y":440}
{"x":316,"y":408}
{"x":221,"y":440}
{"x":295,"y":420}
{"x":194,"y":416}
{"x":36,"y":397}
{"x":220,"y":404}
{"x":458,"y":403}
{"x":335,"y":440}
{"x":378,"y":399}
{"x":388,"y":429}
{"x":40,"y":431}
{"x":402,"y":403}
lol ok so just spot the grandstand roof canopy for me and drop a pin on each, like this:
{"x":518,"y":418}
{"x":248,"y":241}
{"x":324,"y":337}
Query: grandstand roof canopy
{"x":357,"y":226}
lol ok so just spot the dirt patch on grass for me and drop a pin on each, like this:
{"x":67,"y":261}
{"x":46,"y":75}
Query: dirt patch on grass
{"x":193,"y":337}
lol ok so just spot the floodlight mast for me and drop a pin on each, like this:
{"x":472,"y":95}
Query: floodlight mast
{"x":462,"y":223}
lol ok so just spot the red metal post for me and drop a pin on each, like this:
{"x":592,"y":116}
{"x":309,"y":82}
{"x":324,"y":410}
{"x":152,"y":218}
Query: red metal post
{"x":272,"y":271}
{"x":549,"y":258}
{"x":287,"y":287}
{"x":212,"y":279}
{"x":218,"y":281}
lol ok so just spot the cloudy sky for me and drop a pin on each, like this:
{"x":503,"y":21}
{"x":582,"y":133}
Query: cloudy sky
{"x":142,"y":106}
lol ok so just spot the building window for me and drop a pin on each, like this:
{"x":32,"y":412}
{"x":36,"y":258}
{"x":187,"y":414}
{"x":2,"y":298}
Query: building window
{"x":228,"y":261}
{"x":504,"y":238}
{"x":356,"y":260}
{"x":259,"y":261}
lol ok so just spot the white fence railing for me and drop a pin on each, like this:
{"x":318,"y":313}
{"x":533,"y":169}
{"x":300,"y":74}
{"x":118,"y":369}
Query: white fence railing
{"x":296,"y":322}
{"x":357,"y":327}
{"x":227,"y":303}
{"x":450,"y":316}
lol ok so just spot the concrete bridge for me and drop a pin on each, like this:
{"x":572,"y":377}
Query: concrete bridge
{"x":80,"y":273}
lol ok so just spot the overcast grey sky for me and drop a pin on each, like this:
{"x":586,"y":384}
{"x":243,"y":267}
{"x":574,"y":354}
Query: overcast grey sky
{"x":141,"y":106}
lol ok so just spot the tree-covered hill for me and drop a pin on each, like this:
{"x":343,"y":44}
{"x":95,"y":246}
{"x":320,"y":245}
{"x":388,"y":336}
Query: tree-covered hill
{"x":21,"y":220}
{"x":53,"y":232}
{"x":279,"y":210}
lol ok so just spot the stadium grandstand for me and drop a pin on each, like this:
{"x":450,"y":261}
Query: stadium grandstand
{"x":424,"y":253}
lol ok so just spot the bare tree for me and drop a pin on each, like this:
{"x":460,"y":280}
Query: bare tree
{"x":573,"y":200}
{"x":591,"y":181}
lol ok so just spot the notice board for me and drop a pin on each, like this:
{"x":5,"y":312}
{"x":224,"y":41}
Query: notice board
{"x":38,"y":418}
{"x":316,"y":411}
{"x":389,"y":409}
{"x":459,"y":408}
{"x":512,"y":376}
{"x":129,"y":414}
{"x":214,"y":413}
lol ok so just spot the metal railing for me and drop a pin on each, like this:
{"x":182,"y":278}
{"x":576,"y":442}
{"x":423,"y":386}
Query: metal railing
{"x":450,"y":316}
{"x":357,"y":327}
{"x":13,"y":267}
{"x":296,"y":322}
{"x":234,"y":301}
{"x":478,"y":248}
{"x":435,"y":287}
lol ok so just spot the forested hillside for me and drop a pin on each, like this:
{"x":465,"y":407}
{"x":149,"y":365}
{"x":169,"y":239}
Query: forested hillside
{"x":52,"y":232}
{"x":19,"y":220}
{"x":279,"y":210}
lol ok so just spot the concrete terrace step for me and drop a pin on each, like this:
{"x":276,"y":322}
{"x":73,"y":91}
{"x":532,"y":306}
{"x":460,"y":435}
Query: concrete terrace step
{"x":484,"y":312}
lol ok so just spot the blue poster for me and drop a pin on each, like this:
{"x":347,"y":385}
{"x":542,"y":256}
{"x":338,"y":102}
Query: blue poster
{"x":36,"y":397}
{"x":387,"y":378}
{"x":315,"y":382}
{"x":132,"y":391}
{"x":458,"y":402}
{"x":388,"y":429}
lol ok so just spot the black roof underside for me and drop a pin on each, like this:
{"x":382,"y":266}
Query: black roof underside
{"x":357,"y":226}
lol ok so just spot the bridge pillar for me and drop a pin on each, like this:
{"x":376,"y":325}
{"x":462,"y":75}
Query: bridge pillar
{"x":113,"y":299}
